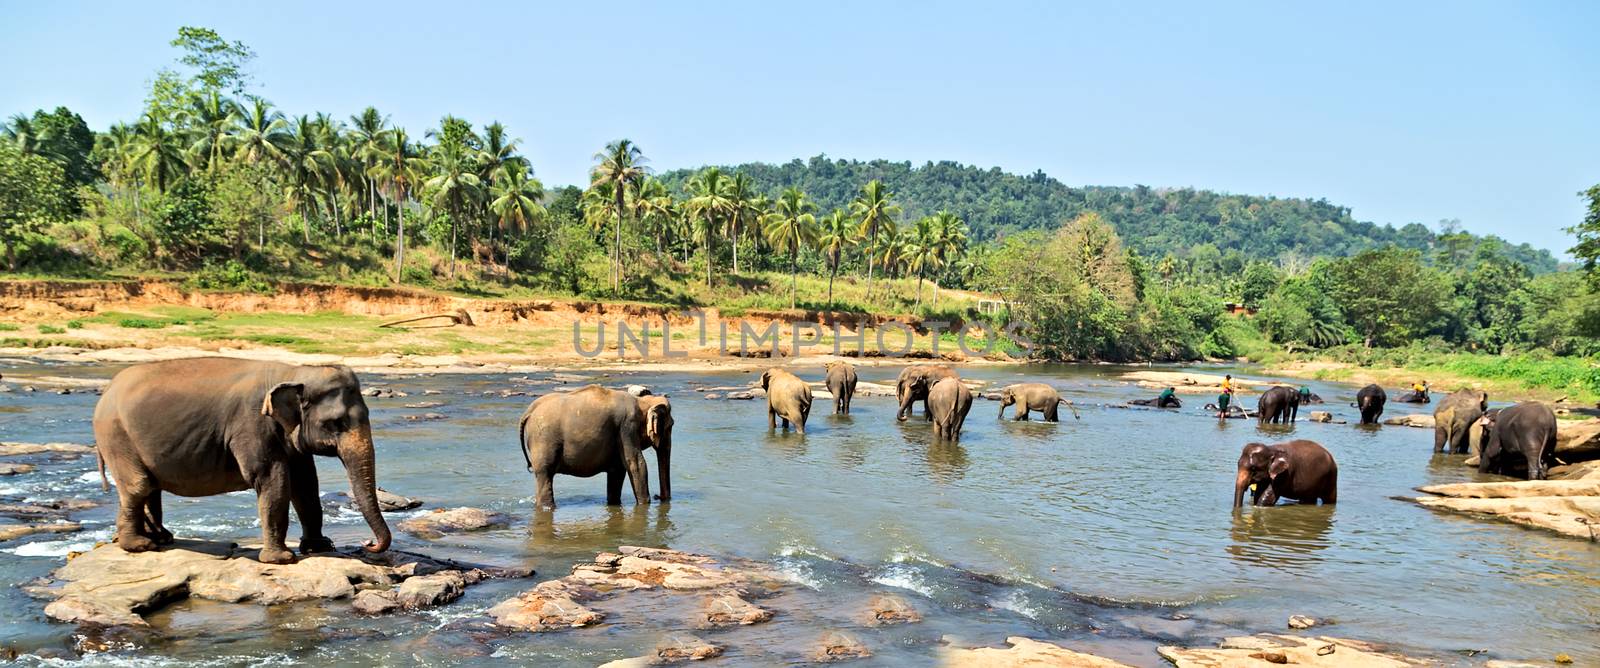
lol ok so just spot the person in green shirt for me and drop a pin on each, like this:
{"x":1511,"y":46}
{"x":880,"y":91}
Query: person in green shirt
{"x":1167,"y":399}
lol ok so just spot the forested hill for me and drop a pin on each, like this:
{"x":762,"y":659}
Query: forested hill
{"x":1156,"y":221}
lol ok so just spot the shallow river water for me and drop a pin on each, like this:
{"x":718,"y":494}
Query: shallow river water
{"x":1111,"y":533}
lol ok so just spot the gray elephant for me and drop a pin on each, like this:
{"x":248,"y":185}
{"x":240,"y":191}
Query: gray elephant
{"x":1280,"y":404}
{"x":913,"y":385}
{"x":1032,"y":397}
{"x":948,"y":403}
{"x":841,"y":384}
{"x":1453,"y":419}
{"x":597,"y":430}
{"x":788,"y":399}
{"x":1300,"y":470}
{"x":1526,"y":432}
{"x":200,"y":427}
{"x":1370,"y":400}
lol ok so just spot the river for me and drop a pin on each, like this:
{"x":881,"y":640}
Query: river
{"x":1111,"y":533}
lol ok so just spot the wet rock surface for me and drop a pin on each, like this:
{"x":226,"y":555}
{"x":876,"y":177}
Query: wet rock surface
{"x":1266,"y":650}
{"x":20,"y":449}
{"x":388,"y":502}
{"x":15,"y":531}
{"x":108,"y":586}
{"x":453,"y":520}
{"x":1023,"y":652}
{"x":1419,"y":420}
{"x":1568,"y":507}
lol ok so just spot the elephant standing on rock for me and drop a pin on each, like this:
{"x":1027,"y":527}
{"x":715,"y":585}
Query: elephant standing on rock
{"x":1032,"y":397}
{"x":1300,"y":470}
{"x":841,"y":384}
{"x":1453,"y":419}
{"x":1280,"y":404}
{"x":1370,"y":400}
{"x":1527,"y":431}
{"x":200,"y":427}
{"x":914,"y":383}
{"x":596,"y":430}
{"x":788,"y":398}
{"x":948,"y":403}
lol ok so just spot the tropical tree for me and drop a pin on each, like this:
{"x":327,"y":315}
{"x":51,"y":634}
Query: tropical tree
{"x":453,"y":188}
{"x":516,"y":202}
{"x":653,"y":206}
{"x":951,"y":238}
{"x":157,"y":154}
{"x":790,"y":227}
{"x":20,"y":130}
{"x":709,"y":203}
{"x":402,"y":167}
{"x":922,"y":250}
{"x":366,"y":144}
{"x":621,"y":166}
{"x":307,"y":165}
{"x":838,"y":233}
{"x":874,"y":213}
{"x":210,"y":119}
{"x":744,"y":207}
{"x":262,"y":135}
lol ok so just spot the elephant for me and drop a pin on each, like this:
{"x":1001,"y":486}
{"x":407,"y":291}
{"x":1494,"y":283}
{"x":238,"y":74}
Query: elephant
{"x":1526,"y":430}
{"x":1032,"y":397}
{"x":841,"y":384}
{"x":788,"y":398}
{"x":913,"y":385}
{"x":1453,"y":420}
{"x":1413,"y":396}
{"x":1370,"y":400}
{"x":200,"y":427}
{"x":597,"y":430}
{"x":948,"y":403}
{"x":1279,"y":404}
{"x":1167,"y":399}
{"x":1300,"y":470}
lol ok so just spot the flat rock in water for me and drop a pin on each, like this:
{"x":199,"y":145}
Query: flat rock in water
{"x":1514,"y":490}
{"x":110,"y":587}
{"x":453,"y":520}
{"x":1578,"y":440}
{"x":1419,"y":420}
{"x":387,"y":501}
{"x":15,"y":531}
{"x":1576,"y":516}
{"x":9,"y":468}
{"x":722,"y":586}
{"x":839,"y":646}
{"x":868,"y":389}
{"x":1268,"y":650}
{"x":890,"y":609}
{"x":1023,"y":652}
{"x":425,"y":417}
{"x":18,"y":449}
{"x":1579,"y":471}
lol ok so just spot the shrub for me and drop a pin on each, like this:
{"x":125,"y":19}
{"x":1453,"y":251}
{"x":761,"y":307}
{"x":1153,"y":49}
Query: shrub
{"x":51,"y":329}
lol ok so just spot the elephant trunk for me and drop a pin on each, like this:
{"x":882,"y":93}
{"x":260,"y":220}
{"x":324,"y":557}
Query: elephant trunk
{"x":356,"y":451}
{"x":1003,"y":404}
{"x":1239,"y":485}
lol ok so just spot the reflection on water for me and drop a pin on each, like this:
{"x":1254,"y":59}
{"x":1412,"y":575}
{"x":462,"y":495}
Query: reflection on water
{"x":1286,"y":536}
{"x":1088,"y":531}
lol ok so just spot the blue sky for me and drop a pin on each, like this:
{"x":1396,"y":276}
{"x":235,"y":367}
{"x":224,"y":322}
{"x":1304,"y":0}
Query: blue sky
{"x":1486,"y":112}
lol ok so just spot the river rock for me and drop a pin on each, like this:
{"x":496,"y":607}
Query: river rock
{"x":1419,"y":420}
{"x":45,"y":508}
{"x":19,"y":449}
{"x":387,"y":501}
{"x":428,"y":417}
{"x":376,"y":602}
{"x":1576,"y":516}
{"x":1267,"y":650}
{"x":686,"y":648}
{"x":713,"y":395}
{"x":740,"y":396}
{"x":1301,"y":622}
{"x":839,"y":646}
{"x":730,"y":610}
{"x":110,"y":587}
{"x":1515,"y":490}
{"x":1579,"y":471}
{"x":424,"y":404}
{"x":10,"y":468}
{"x":15,"y":531}
{"x":1578,"y":441}
{"x":1324,"y":416}
{"x":453,"y":520}
{"x":890,"y":609}
{"x":1023,"y":652}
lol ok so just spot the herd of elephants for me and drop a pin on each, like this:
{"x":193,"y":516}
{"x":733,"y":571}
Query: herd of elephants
{"x":205,"y":426}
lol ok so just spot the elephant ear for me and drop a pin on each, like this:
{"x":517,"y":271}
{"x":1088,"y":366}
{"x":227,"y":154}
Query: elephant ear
{"x":282,"y":404}
{"x":657,"y":420}
{"x":766,"y":377}
{"x":1279,"y":466}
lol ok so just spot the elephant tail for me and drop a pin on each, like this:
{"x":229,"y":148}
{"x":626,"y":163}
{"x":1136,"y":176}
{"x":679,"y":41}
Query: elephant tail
{"x":1070,"y":407}
{"x":105,"y":485}
{"x":522,"y":436}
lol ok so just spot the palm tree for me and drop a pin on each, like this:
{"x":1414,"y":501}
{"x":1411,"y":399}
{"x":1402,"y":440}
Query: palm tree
{"x":453,"y":188}
{"x":875,"y":213}
{"x":261,"y":136}
{"x":792,"y":226}
{"x":950,"y":235}
{"x":709,"y":202}
{"x":403,"y":167}
{"x":157,"y":153}
{"x":20,"y":130}
{"x":922,"y":250}
{"x":620,"y":165}
{"x":652,"y":205}
{"x":117,"y":145}
{"x":743,"y":209}
{"x":210,"y":118}
{"x":516,"y":203}
{"x":838,"y":234}
{"x":366,"y":137}
{"x":308,"y":165}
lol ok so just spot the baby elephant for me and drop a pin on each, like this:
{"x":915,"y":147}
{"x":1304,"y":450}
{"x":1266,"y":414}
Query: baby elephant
{"x":1299,"y":470}
{"x":1526,"y":432}
{"x":948,"y":403}
{"x":595,"y":430}
{"x":842,"y":384}
{"x":788,"y":398}
{"x":1031,"y":397}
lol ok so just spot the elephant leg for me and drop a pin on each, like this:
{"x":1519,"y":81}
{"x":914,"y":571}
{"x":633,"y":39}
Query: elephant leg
{"x":132,"y":532}
{"x":1022,"y":413}
{"x":801,"y":424}
{"x":614,"y":477}
{"x":1535,"y":464}
{"x":772,"y":418}
{"x":926,"y":411}
{"x":638,"y":473}
{"x":1439,"y":438}
{"x":307,"y":505}
{"x":155,"y":529}
{"x":1052,"y":414}
{"x":544,"y":494}
{"x":272,"y":506}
